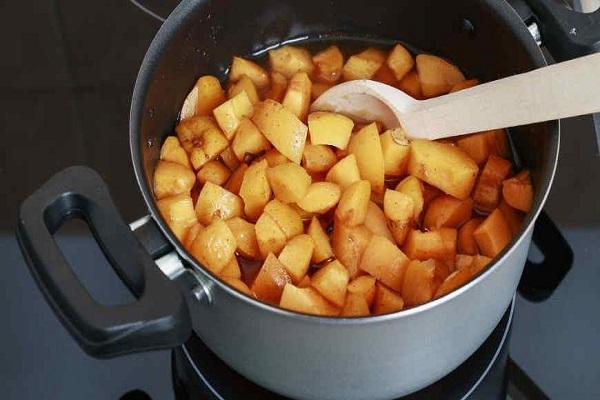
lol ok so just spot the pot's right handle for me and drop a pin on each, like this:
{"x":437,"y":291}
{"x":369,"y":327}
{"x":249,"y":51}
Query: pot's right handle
{"x":157,"y":319}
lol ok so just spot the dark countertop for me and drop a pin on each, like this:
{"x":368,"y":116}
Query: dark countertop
{"x":65,"y":93}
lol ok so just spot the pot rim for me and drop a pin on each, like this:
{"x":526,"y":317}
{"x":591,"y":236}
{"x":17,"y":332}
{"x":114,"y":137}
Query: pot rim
{"x":171,"y":27}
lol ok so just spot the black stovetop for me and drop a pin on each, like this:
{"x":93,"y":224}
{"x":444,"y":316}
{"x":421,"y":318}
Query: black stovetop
{"x":67,"y":76}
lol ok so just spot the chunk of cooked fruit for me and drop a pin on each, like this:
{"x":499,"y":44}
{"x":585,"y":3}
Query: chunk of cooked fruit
{"x":269,"y":236}
{"x":286,"y":218}
{"x":395,"y":156}
{"x":344,"y":172}
{"x":289,"y":182}
{"x":386,"y":300}
{"x":400,"y":61}
{"x":383,"y":260}
{"x":348,"y":244}
{"x":318,"y":158}
{"x":437,"y":75}
{"x":487,"y":190}
{"x":442,"y":270}
{"x":282,"y":128}
{"x":514,"y":218}
{"x":366,"y":146}
{"x":235,"y":180}
{"x":274,"y":158}
{"x":447,"y":211}
{"x":231,"y":270}
{"x":296,"y":256}
{"x":288,"y":60}
{"x":255,"y":189}
{"x":413,"y":188}
{"x":241,"y":67}
{"x":330,"y":129}
{"x":353,"y":205}
{"x":238,"y":285}
{"x":363,"y":286}
{"x":191,"y":235}
{"x":463,"y":261}
{"x":398,"y":207}
{"x":411,"y":85}
{"x":331,"y":282}
{"x":363,"y":65}
{"x":171,"y":179}
{"x":306,"y":300}
{"x":214,"y":171}
{"x":297,"y":95}
{"x":444,"y":166}
{"x":245,"y":84}
{"x":466,"y":241}
{"x":278,"y":87}
{"x":190,"y":131}
{"x":355,"y":306}
{"x":453,"y":281}
{"x":172,"y":151}
{"x":214,"y":246}
{"x":464,"y":85}
{"x":450,"y":239}
{"x":206,"y":94}
{"x":230,"y":113}
{"x":479,"y":263}
{"x":248,"y":140}
{"x":211,"y":143}
{"x":215,"y":203}
{"x":320,"y":197}
{"x":376,"y":222}
{"x":328,"y":64}
{"x":424,"y":245}
{"x":419,"y":285}
{"x":493,"y":234}
{"x":245,"y":237}
{"x":322,"y":250}
{"x":385,"y":75}
{"x":229,"y":159}
{"x":479,"y":146}
{"x":178,"y":212}
{"x":518,"y":191}
{"x":270,"y":281}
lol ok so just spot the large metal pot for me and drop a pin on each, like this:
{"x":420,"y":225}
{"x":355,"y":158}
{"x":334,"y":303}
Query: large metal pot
{"x":296,"y":355}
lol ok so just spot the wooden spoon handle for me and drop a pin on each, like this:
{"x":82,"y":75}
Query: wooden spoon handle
{"x":557,"y":91}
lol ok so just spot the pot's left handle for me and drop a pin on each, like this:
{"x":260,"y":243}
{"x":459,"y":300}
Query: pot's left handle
{"x":157,"y":319}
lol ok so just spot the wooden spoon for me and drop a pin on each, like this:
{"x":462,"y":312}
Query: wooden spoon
{"x":557,"y":91}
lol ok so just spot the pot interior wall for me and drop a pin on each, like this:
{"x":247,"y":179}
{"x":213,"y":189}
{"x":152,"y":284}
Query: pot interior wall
{"x":484,"y":38}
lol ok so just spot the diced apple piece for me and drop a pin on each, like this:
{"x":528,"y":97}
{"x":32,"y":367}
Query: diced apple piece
{"x":318,"y":158}
{"x":245,"y":84}
{"x":355,"y":306}
{"x":463,"y":261}
{"x":447,"y":211}
{"x":437,"y":75}
{"x":270,"y":281}
{"x":479,"y":146}
{"x":296,"y":256}
{"x":305,"y":282}
{"x":230,"y":113}
{"x":286,"y":217}
{"x":213,"y":143}
{"x":214,"y":171}
{"x":275,"y":158}
{"x":191,"y":235}
{"x":395,"y":156}
{"x":241,"y":67}
{"x":386,"y":300}
{"x":398,"y":208}
{"x":214,"y":203}
{"x":331,"y":282}
{"x":235,"y":180}
{"x":363,"y":65}
{"x":411,"y":85}
{"x":214,"y":246}
{"x":248,"y":140}
{"x":518,"y":192}
{"x":229,"y":159}
{"x":328,"y":64}
{"x":306,"y":300}
{"x":450,"y":239}
{"x":400,"y":61}
{"x":238,"y":285}
{"x":479,"y":263}
{"x":385,"y":75}
{"x":376,"y":222}
{"x":413,"y":188}
{"x":320,"y":197}
{"x":442,"y":271}
{"x":424,"y":245}
{"x":172,"y":151}
{"x":330,"y":129}
{"x":322,"y":250}
{"x":464,"y":85}
{"x":444,"y":166}
{"x":206,"y":94}
{"x":297,"y":96}
{"x":255,"y":189}
{"x":178,"y":212}
{"x":419,"y":285}
{"x":190,"y":131}
{"x":487,"y":190}
{"x":493,"y":234}
{"x":288,"y":60}
{"x":366,"y":146}
{"x":353,"y":205}
{"x":363,"y":286}
{"x":514,"y":218}
{"x":278,"y":87}
{"x":383,"y":260}
{"x":317,"y":89}
{"x":282,"y":128}
{"x":344,"y":172}
{"x":171,"y":179}
{"x":245,"y":237}
{"x":304,"y":215}
{"x":269,"y":236}
{"x":231,"y":270}
{"x":466,"y":241}
{"x":452,"y":282}
{"x":349,"y":244}
{"x":289,"y":182}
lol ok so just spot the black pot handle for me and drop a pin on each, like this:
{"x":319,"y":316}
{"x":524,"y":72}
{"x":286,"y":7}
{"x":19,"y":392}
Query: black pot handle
{"x":157,"y":319}
{"x":539,"y":280}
